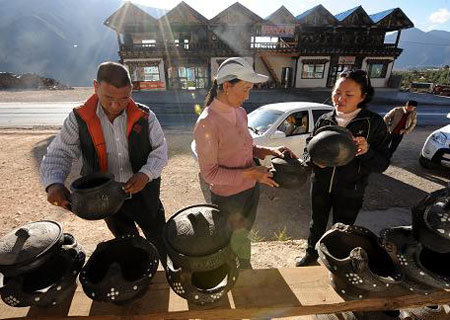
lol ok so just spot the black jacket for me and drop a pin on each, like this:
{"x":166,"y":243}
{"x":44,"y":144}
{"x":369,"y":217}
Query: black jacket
{"x":351,"y":180}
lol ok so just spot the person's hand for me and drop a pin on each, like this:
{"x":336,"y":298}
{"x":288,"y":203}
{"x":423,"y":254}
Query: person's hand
{"x":282,"y":151}
{"x":260,"y":174}
{"x":361,"y":145}
{"x":136,"y":183}
{"x":58,"y":195}
{"x":402,"y":131}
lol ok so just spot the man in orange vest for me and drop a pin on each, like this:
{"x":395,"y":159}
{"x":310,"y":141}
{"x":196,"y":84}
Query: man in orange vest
{"x":111,"y":133}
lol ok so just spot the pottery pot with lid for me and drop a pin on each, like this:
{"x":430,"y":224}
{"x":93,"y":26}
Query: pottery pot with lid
{"x":201,"y":265}
{"x":289,"y":173}
{"x":97,"y":196}
{"x":332,"y":146}
{"x":49,"y":283}
{"x":431,"y":221}
{"x":29,"y":246}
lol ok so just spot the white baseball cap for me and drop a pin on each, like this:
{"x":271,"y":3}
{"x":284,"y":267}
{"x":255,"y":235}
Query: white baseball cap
{"x":238,"y":68}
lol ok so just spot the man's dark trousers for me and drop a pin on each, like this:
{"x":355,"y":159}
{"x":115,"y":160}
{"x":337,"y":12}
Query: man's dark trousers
{"x":144,"y":209}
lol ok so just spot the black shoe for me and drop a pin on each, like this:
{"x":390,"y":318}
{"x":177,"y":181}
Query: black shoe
{"x":308,"y":259}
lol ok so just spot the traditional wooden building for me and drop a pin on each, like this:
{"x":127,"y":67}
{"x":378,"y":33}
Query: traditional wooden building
{"x":182,"y":49}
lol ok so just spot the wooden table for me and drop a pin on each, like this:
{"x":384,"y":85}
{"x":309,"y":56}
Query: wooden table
{"x":264,"y":293}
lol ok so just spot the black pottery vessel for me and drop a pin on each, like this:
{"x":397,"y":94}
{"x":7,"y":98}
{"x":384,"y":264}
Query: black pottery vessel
{"x":39,"y":264}
{"x":120,"y":270}
{"x":359,"y":266}
{"x":201,"y":266}
{"x":431,"y":221}
{"x":332,"y":146}
{"x":289,"y":173}
{"x":97,"y":196}
{"x":424,"y":270}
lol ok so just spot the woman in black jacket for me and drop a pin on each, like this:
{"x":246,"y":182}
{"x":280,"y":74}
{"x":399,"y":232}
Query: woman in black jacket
{"x":342,"y":188}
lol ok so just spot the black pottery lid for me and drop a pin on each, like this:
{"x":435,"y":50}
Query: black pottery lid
{"x":27,"y":243}
{"x":286,"y":162}
{"x":197,"y":230}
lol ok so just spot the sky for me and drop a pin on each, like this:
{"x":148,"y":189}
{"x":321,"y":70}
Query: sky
{"x":426,"y":15}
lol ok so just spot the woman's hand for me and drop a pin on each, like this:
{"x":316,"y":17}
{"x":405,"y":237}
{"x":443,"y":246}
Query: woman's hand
{"x":361,"y":144}
{"x":260,"y":174}
{"x":282,"y":151}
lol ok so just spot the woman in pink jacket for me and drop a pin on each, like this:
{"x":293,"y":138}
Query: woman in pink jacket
{"x":225,"y":151}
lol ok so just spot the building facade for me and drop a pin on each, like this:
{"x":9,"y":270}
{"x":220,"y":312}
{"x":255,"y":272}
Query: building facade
{"x":182,"y":49}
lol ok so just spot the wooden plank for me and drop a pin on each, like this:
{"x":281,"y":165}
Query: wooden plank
{"x":265,"y":293}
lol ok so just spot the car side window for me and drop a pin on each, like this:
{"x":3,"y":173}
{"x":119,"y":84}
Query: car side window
{"x":318,"y":113}
{"x":295,"y":123}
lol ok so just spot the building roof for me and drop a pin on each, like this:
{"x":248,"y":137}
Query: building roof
{"x":128,"y":14}
{"x":354,"y":17}
{"x":282,"y":16}
{"x":236,"y":14}
{"x":183,"y":14}
{"x":317,"y":16}
{"x":341,"y":16}
{"x":392,"y":19}
{"x":376,"y":17}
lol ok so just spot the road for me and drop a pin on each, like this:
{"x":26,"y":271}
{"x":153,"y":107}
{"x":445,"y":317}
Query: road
{"x":18,"y":115}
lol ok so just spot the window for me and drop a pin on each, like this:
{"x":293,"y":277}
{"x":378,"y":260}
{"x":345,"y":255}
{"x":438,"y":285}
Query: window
{"x":263,"y":42}
{"x":318,"y":113}
{"x":377,"y":69}
{"x":260,"y":120}
{"x":294,"y":124}
{"x":151,"y":73}
{"x":149,"y":43}
{"x":313,"y":71}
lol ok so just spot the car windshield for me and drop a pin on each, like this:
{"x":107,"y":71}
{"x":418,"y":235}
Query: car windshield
{"x":260,"y":120}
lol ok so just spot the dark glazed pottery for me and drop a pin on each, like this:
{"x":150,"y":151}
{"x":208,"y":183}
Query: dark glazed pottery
{"x":359,"y":265}
{"x":332,"y":146}
{"x":29,"y":246}
{"x":49,"y":283}
{"x":120,"y":270}
{"x":288,"y":172}
{"x":431,"y":221}
{"x":96,"y":196}
{"x":201,"y":266}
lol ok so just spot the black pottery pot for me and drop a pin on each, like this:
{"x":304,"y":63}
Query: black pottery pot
{"x":289,"y":173}
{"x":201,"y":266}
{"x":29,"y":246}
{"x":120,"y":270}
{"x":97,"y":196}
{"x":49,"y":283}
{"x":359,"y":265}
{"x":332,"y":146}
{"x":424,"y":270}
{"x":431,"y":221}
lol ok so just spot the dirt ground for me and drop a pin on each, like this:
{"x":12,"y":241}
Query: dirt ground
{"x":282,"y":215}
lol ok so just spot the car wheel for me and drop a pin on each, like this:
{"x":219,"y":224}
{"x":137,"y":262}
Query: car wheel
{"x":424,"y":162}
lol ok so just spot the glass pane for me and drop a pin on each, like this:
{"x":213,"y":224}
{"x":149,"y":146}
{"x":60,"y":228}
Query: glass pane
{"x":182,"y":72}
{"x":376,"y":70}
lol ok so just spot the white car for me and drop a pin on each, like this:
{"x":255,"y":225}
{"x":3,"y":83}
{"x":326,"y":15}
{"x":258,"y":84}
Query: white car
{"x":436,"y":149}
{"x":283,"y":124}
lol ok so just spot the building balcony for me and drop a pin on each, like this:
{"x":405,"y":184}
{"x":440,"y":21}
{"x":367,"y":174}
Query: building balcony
{"x":149,"y":50}
{"x":182,"y":49}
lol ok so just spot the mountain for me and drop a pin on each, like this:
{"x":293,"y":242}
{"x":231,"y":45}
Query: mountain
{"x":422,"y":49}
{"x":61,"y":39}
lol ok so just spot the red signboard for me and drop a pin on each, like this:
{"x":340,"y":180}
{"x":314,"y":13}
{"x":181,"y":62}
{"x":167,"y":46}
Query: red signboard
{"x":278,"y":31}
{"x":149,"y":85}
